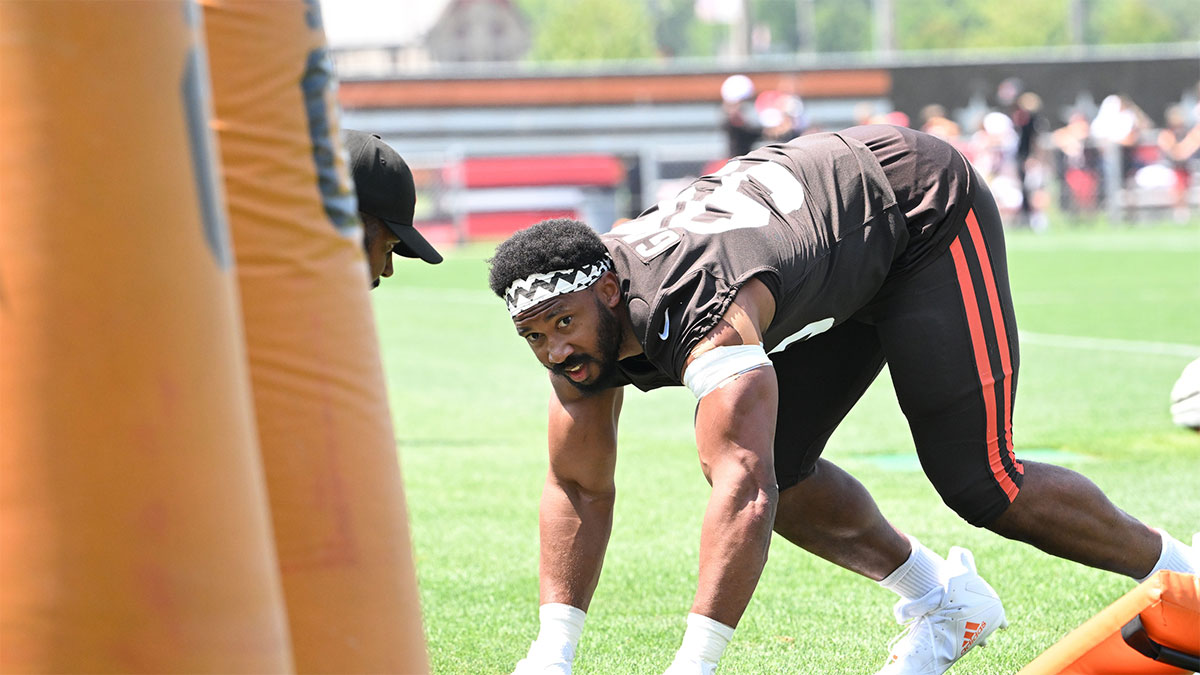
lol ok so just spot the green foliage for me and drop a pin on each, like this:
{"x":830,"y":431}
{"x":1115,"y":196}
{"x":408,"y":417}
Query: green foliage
{"x":935,"y":24}
{"x":780,"y":16}
{"x":677,"y":32}
{"x":1022,"y":23}
{"x":600,"y":29}
{"x":581,"y":30}
{"x":1133,"y":22}
{"x":843,"y":25}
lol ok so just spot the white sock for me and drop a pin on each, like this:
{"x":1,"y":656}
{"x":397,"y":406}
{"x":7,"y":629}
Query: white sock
{"x":704,"y":640}
{"x":916,"y":576}
{"x":1176,"y":556}
{"x":561,"y":626}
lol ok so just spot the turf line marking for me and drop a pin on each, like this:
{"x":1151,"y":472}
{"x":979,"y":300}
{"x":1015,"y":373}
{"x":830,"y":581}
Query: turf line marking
{"x":1110,"y":344}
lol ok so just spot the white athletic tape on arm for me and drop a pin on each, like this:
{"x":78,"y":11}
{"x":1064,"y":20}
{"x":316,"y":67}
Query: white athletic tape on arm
{"x":716,"y":366}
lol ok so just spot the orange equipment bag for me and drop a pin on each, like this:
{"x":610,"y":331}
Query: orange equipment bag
{"x":1155,"y":628}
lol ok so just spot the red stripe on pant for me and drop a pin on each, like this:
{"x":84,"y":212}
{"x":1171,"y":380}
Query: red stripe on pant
{"x":979,"y":346}
{"x":989,"y":284}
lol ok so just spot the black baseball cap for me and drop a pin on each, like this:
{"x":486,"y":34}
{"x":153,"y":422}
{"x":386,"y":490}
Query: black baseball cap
{"x":385,"y":188}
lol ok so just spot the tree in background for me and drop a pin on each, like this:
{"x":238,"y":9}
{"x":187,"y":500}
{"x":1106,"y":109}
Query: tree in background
{"x":843,"y":26}
{"x":678,"y":33}
{"x":934,"y":24}
{"x":585,"y":30}
{"x":631,"y":29}
{"x":1139,"y":21}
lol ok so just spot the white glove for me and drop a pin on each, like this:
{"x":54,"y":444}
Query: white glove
{"x":542,"y":661}
{"x":686,"y":666}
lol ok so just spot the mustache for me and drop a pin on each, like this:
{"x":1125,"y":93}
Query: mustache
{"x":569,"y":362}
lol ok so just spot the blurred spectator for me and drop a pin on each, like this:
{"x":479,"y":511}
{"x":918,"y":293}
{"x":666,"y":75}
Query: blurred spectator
{"x":1180,"y":143}
{"x":741,"y":124}
{"x":1007,"y":93}
{"x":1119,"y":122}
{"x":864,"y":113}
{"x":1196,"y":107}
{"x":935,"y":122}
{"x":1078,"y":165}
{"x":993,"y":151}
{"x":1029,"y":125}
{"x":895,"y":118}
{"x":782,"y":115}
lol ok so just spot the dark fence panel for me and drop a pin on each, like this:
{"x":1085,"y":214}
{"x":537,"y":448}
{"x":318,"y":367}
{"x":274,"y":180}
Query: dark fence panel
{"x":1153,"y":84}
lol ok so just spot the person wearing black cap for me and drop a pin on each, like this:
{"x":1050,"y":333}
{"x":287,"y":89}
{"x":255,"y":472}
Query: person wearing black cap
{"x":387,"y":197}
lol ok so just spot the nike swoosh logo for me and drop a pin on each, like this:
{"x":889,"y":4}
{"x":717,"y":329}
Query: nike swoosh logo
{"x":666,"y":327}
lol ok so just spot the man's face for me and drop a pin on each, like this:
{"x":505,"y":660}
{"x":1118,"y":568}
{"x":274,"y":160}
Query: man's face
{"x":378,"y":242}
{"x":575,"y":336}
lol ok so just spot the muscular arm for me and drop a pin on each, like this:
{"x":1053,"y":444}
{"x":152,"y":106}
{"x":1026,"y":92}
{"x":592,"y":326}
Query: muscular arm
{"x":735,"y":430}
{"x":577,"y":500}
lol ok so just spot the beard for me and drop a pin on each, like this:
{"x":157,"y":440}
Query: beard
{"x":608,"y":344}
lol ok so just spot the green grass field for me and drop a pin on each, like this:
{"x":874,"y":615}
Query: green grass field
{"x":1108,"y":317}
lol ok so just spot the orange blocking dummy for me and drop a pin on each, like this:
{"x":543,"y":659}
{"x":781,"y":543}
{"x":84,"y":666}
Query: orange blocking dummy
{"x":134,"y":533}
{"x":324,"y":425}
{"x":1167,"y":605}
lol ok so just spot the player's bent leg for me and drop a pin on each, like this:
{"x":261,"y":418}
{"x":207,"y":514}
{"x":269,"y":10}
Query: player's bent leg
{"x":1064,"y":514}
{"x":950,"y":340}
{"x":950,"y":337}
{"x":830,"y":514}
{"x":959,"y":408}
{"x":822,"y":508}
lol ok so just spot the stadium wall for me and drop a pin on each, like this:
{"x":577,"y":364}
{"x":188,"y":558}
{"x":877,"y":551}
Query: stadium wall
{"x":663,"y":120}
{"x":1152,"y":83}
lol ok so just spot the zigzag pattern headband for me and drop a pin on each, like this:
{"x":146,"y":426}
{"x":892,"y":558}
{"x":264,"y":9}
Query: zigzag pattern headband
{"x":540,"y":287}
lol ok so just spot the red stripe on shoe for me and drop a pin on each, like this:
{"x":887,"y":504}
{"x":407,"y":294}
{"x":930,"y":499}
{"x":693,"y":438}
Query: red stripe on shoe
{"x":989,"y":284}
{"x":986,"y":379}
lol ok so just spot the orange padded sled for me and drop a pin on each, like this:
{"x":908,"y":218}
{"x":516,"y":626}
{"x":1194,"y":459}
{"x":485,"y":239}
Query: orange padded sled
{"x":134,"y":532}
{"x":1155,"y":628}
{"x":324,"y":425}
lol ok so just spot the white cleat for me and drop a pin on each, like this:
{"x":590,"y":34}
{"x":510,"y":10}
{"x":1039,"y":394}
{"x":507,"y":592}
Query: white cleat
{"x":946,"y":622}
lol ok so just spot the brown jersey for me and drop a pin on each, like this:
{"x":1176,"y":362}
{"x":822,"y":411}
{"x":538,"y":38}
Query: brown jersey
{"x":822,"y":220}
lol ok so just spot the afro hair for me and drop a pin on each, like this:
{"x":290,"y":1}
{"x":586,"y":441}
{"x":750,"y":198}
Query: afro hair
{"x":556,"y":244}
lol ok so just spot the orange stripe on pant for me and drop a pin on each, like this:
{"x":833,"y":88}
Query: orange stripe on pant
{"x":986,"y":379}
{"x":989,"y":284}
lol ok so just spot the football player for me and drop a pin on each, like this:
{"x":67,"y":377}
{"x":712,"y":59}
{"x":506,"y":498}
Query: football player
{"x":776,"y":289}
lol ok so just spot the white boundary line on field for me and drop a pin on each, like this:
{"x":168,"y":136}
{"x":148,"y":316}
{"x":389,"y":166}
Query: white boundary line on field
{"x":1027,"y":337}
{"x":1110,"y":344}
